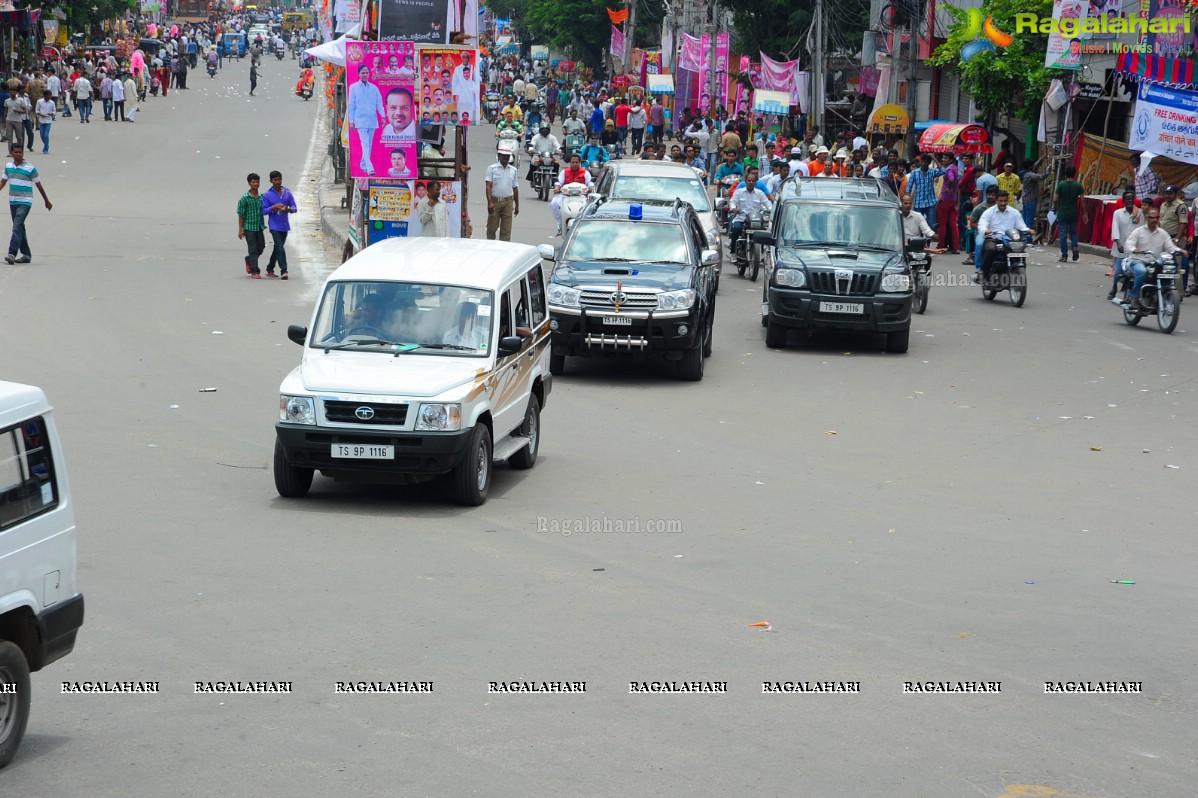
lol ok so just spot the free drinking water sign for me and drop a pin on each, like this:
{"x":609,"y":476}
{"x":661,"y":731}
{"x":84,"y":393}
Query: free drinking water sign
{"x":1166,"y":122}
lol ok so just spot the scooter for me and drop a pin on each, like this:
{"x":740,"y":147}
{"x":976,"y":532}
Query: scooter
{"x":1009,"y":271}
{"x":279,"y":53}
{"x":509,"y":142}
{"x":305,"y":90}
{"x":211,"y":70}
{"x":574,"y":199}
{"x":491,"y":107}
{"x":1158,"y":294}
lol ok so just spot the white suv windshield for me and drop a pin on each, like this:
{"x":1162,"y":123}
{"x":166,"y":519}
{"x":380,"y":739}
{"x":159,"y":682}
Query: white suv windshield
{"x":404,"y":317}
{"x":603,"y":240}
{"x":832,"y":223}
{"x":689,"y":189}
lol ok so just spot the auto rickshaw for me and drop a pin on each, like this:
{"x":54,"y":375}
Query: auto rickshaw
{"x":235,"y":44}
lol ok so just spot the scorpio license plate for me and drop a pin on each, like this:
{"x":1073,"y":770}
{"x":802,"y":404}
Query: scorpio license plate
{"x":618,"y":321}
{"x":355,"y":451}
{"x":841,"y":307}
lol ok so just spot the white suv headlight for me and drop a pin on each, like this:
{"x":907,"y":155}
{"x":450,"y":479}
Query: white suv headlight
{"x":790,"y":278}
{"x":894,"y":281}
{"x":297,"y":409}
{"x":676,"y":300}
{"x":439,"y":417}
{"x":563,"y":295}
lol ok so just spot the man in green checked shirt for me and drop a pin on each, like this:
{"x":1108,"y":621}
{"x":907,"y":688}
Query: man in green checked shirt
{"x":250,"y":227}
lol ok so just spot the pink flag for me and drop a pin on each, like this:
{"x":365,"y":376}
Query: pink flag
{"x":690,"y":53}
{"x":705,"y":101}
{"x":780,"y":76}
{"x":617,"y":42}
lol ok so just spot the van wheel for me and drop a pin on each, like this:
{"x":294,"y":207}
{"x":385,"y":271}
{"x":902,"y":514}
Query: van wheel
{"x":531,"y":428}
{"x":14,"y":707}
{"x":472,"y":477}
{"x":291,"y":482}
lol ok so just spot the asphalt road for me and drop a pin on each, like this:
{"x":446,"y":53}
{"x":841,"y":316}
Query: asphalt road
{"x":953,"y":514}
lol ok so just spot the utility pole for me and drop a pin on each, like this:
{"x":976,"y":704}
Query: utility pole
{"x":817,"y":70}
{"x":629,"y":35}
{"x":912,"y":72}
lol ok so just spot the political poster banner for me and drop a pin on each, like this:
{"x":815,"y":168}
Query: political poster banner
{"x":449,"y":86}
{"x":721,"y":69}
{"x":1166,"y":122}
{"x":690,"y":53}
{"x":705,"y":74}
{"x":380,"y":107}
{"x":617,"y":42}
{"x":1065,"y":52}
{"x":391,"y":208}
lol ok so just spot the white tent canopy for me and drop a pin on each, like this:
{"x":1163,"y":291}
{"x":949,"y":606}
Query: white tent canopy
{"x":334,"y":51}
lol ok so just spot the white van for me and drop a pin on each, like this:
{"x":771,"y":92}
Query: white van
{"x":40,"y":610}
{"x":424,"y":357}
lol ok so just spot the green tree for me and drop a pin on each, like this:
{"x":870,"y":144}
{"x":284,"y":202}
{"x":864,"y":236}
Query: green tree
{"x":1011,"y":80}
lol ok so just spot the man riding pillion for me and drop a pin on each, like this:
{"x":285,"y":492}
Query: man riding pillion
{"x":574,"y":173}
{"x":914,"y":225}
{"x":542,"y":144}
{"x":747,"y":199}
{"x":1152,"y":238}
{"x":592,"y":151}
{"x":572,"y":125}
{"x":513,"y":108}
{"x":730,"y":167}
{"x":509,"y":122}
{"x":997,"y":221}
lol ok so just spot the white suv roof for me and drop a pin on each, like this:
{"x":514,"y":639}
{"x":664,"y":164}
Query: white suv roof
{"x":442,"y":261}
{"x":636,"y":168}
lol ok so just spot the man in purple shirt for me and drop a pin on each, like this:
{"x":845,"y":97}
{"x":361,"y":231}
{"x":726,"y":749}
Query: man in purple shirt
{"x":657,"y":120}
{"x":277,"y":203}
{"x":946,"y":212}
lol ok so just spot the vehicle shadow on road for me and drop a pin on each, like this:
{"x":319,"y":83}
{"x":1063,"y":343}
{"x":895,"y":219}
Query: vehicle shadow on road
{"x":836,"y":342}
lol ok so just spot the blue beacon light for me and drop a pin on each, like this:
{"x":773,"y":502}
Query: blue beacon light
{"x":634,"y":212}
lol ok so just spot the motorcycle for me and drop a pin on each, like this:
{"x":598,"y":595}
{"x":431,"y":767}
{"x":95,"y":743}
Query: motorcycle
{"x":613,"y":152}
{"x":723,"y":194}
{"x":211,"y":70}
{"x":491,"y":107}
{"x":305,"y":90}
{"x":1009,"y":271}
{"x":544,"y":172}
{"x":747,"y":251}
{"x":1158,"y":294}
{"x":921,"y":266}
{"x":574,"y":199}
{"x":279,"y":53}
{"x":509,"y":142}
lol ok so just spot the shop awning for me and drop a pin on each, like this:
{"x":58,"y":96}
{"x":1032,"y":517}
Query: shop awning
{"x":660,"y":84}
{"x":955,"y":139}
{"x":889,"y":118}
{"x":1148,"y":68}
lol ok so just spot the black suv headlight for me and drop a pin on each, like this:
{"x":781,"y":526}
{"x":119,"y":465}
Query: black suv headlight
{"x":790,"y":277}
{"x":895,"y":280}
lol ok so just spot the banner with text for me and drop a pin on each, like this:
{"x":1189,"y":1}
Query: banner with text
{"x":1166,"y":122}
{"x":391,"y":208}
{"x":721,"y":69}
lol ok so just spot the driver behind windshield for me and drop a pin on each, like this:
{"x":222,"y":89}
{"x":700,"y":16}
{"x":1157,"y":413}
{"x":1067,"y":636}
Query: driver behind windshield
{"x":371,"y":313}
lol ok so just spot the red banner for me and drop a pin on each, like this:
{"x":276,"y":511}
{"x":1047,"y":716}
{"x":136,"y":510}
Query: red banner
{"x":617,"y":16}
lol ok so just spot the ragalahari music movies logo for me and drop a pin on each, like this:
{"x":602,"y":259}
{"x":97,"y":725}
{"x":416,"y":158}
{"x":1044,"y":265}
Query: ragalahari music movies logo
{"x":985,"y":35}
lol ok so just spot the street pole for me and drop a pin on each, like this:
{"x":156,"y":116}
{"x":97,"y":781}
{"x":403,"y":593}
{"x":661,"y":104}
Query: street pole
{"x":912,"y":74}
{"x":629,"y":34}
{"x":817,"y":70}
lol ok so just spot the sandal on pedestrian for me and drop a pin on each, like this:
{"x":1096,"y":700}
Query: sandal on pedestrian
{"x":283,"y":276}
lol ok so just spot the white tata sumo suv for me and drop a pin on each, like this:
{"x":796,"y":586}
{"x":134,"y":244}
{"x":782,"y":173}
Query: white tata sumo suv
{"x":425,"y":357}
